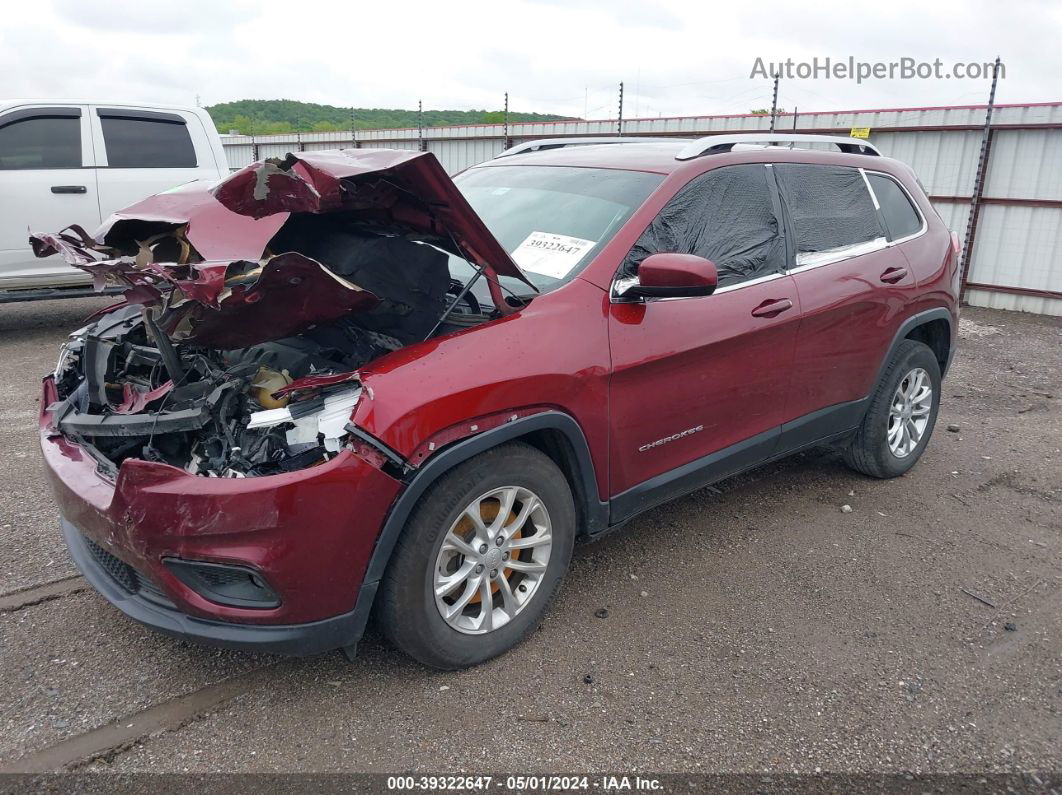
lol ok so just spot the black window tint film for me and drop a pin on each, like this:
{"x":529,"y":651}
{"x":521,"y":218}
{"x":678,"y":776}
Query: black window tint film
{"x":41,"y":143}
{"x":144,"y":143}
{"x":830,"y":206}
{"x":726,"y":216}
{"x":900,"y":217}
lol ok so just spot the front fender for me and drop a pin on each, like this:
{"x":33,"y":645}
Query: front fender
{"x":551,"y":355}
{"x":595,"y":511}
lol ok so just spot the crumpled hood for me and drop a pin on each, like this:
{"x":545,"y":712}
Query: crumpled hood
{"x":201,"y":249}
{"x":235,"y":218}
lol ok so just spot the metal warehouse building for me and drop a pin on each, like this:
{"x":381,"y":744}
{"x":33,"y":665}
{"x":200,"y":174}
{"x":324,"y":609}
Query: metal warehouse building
{"x":1016,"y":241}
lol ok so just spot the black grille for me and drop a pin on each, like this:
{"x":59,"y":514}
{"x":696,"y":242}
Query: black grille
{"x":125,"y":575}
{"x":121,"y":573}
{"x":152,"y":592}
{"x":222,"y":577}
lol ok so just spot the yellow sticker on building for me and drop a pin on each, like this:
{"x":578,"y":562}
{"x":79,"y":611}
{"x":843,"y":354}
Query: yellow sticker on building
{"x":860,"y":132}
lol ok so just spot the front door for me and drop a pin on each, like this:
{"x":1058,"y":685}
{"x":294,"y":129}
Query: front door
{"x":699,"y":385}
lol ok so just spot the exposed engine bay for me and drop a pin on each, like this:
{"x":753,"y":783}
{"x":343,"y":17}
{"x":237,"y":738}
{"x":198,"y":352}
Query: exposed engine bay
{"x":230,"y":366}
{"x":268,"y":408}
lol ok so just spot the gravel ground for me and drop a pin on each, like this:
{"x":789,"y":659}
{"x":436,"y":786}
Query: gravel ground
{"x":753,"y":627}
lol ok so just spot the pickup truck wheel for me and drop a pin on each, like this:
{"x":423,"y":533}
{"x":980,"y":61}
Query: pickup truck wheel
{"x":482,"y":557}
{"x":901,"y":416}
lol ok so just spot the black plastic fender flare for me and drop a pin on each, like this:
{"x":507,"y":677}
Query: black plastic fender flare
{"x":909,"y":325}
{"x":584,"y":490}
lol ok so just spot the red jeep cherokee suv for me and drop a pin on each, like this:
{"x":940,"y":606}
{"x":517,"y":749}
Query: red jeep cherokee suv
{"x":343,"y":384}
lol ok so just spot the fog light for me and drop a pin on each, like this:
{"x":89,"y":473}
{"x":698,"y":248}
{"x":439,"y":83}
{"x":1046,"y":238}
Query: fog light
{"x":236,"y":586}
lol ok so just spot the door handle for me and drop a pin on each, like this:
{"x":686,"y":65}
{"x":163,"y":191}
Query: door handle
{"x":893,"y":275}
{"x":772,"y":307}
{"x":69,"y":189}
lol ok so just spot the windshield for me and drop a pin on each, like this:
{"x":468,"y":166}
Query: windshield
{"x":552,"y":220}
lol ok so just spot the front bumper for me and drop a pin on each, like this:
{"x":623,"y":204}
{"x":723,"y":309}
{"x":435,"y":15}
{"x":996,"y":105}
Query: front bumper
{"x":309,"y":533}
{"x":148,"y":608}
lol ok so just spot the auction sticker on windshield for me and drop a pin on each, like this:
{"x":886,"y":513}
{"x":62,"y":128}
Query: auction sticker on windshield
{"x":550,"y":254}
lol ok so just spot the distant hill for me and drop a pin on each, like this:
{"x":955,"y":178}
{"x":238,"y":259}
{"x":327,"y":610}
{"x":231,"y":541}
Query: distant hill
{"x":268,"y":116}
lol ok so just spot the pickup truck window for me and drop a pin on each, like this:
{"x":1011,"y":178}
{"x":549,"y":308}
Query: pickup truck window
{"x":40,"y":142}
{"x":147,"y":143}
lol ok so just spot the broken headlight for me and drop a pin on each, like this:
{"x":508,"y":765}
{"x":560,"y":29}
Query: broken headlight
{"x":68,"y":352}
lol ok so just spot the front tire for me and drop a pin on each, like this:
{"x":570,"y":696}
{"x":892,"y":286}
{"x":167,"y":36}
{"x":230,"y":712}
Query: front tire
{"x":482,"y":557}
{"x":902,"y":414}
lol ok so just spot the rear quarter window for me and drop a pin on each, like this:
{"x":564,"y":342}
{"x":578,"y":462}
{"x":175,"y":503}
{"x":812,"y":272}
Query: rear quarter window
{"x":901,"y":218}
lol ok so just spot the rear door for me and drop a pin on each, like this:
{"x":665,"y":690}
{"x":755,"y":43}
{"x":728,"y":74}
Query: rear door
{"x":699,"y":385}
{"x":47,"y":182}
{"x":143,"y":152}
{"x":854,"y":286}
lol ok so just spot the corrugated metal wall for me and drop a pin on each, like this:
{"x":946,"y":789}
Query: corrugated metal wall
{"x":1016,"y":258}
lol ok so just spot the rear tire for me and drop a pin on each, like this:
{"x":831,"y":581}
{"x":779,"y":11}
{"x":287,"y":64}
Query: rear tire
{"x":901,"y":416}
{"x":444,"y":543}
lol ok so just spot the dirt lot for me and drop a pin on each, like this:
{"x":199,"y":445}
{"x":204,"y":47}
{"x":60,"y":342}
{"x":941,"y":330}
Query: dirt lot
{"x":753,"y":627}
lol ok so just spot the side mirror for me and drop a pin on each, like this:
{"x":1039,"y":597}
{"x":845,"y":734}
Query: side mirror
{"x":673,"y":276}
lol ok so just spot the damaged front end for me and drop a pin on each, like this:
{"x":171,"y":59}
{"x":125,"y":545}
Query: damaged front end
{"x":230,"y":414}
{"x":251,"y":304}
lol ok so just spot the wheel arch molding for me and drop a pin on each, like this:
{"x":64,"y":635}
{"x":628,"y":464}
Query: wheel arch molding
{"x":544,"y":430}
{"x":912,"y":324}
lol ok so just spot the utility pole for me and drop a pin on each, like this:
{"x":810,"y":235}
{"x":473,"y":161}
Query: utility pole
{"x":979,"y":185}
{"x":420,"y":125}
{"x":774,"y":102}
{"x":505,"y":128}
{"x":619,"y":123}
{"x":353,"y":138}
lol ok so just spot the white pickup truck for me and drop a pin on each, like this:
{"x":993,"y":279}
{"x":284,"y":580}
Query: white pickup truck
{"x":77,"y":161}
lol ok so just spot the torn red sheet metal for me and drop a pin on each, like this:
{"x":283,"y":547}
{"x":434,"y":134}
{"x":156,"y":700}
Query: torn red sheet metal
{"x":215,"y":231}
{"x":423,"y":197}
{"x":201,"y":281}
{"x":278,"y":186}
{"x":135,"y":399}
{"x":291,"y":293}
{"x":237,"y":217}
{"x":310,"y":383}
{"x":229,"y":225}
{"x":72,"y":243}
{"x":224,"y":305}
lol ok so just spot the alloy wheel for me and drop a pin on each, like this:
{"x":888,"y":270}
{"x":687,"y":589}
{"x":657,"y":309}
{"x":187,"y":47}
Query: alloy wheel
{"x":492,"y":560}
{"x":909,"y":412}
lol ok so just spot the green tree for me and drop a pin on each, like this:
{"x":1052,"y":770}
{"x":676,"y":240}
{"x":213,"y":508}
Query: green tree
{"x":269,"y":116}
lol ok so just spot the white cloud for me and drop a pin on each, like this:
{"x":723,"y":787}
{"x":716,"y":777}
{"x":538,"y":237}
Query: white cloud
{"x":564,"y":56}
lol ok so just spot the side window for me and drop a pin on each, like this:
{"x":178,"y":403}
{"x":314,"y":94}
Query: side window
{"x":831,"y":210}
{"x":40,"y":142}
{"x":901,"y":219}
{"x":147,"y":143}
{"x":726,"y":215}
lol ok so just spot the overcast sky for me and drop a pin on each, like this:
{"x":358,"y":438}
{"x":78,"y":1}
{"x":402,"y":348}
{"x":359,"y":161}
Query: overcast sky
{"x":553,"y":56}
